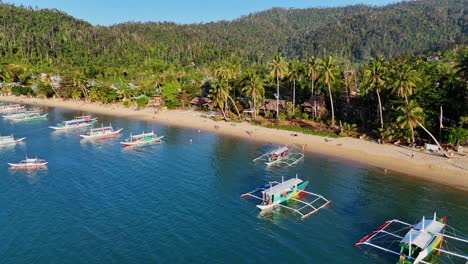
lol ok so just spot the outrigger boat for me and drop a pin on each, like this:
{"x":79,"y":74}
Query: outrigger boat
{"x":9,"y":140}
{"x":22,"y":113}
{"x":77,"y":122}
{"x":27,"y":116}
{"x":101,"y":132}
{"x":275,"y":194}
{"x":141,"y":139}
{"x":417,"y":244}
{"x":29,"y":164}
{"x":281,"y":155}
{"x":11,"y":108}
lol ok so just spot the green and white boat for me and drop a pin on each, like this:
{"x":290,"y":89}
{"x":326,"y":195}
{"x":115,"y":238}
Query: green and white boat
{"x":142,"y":139}
{"x":275,"y":194}
{"x":27,"y":116}
{"x":9,"y":140}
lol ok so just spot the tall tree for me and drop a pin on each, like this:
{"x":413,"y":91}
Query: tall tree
{"x":313,"y":68}
{"x":254,"y":89}
{"x":328,"y":76}
{"x":295,"y":68}
{"x":404,"y":80}
{"x":278,"y":69}
{"x":374,"y":79}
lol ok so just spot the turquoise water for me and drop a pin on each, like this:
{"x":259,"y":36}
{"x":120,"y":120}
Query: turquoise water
{"x":179,"y":202}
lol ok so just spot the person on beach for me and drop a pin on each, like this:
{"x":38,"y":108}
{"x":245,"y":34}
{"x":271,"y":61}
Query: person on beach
{"x":198,"y":131}
{"x":412,"y":154}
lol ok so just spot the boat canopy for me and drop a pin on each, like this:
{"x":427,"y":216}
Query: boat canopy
{"x":279,"y":151}
{"x":100,"y":129}
{"x":283,"y":186}
{"x":430,"y":226}
{"x":419,"y":238}
{"x":143,"y":135}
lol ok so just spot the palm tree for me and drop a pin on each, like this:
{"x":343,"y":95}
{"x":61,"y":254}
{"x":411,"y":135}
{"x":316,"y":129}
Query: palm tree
{"x":313,"y":68}
{"x":374,"y":78}
{"x":413,"y":116}
{"x":254,"y":88}
{"x":405,"y":79}
{"x":278,"y":69}
{"x":294,"y":74}
{"x":411,"y":113}
{"x":218,"y":96}
{"x":462,"y":67}
{"x":226,"y":72}
{"x":328,"y":66}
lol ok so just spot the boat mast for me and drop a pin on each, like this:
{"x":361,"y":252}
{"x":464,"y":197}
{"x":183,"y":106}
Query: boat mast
{"x":424,"y":219}
{"x":409,"y":252}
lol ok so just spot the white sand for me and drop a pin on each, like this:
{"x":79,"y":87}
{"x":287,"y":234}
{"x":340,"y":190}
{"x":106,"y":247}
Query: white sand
{"x":429,"y":166}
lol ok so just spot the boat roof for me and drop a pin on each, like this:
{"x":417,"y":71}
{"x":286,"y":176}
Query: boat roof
{"x":100,"y":128}
{"x":143,"y":135}
{"x":283,"y":186}
{"x":280,"y":150}
{"x":418,"y":238}
{"x":430,"y":226}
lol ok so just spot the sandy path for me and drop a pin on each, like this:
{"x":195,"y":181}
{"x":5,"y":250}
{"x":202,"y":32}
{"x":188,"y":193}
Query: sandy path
{"x":429,"y":166}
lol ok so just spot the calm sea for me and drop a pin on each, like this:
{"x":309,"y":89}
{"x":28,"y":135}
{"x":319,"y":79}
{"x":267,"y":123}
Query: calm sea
{"x":179,"y":202}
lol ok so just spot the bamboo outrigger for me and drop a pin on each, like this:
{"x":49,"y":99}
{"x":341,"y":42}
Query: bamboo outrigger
{"x":275,"y":194}
{"x":421,"y":239}
{"x":281,"y":155}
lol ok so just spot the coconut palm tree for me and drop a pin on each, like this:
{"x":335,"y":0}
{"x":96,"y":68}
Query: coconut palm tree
{"x":412,"y":117}
{"x":462,"y":67}
{"x":218,"y":96}
{"x":404,"y":80}
{"x":279,"y":69}
{"x":313,"y":69}
{"x":254,"y":89}
{"x":295,"y":68}
{"x":227,"y":72}
{"x":327,"y":75}
{"x":374,"y":79}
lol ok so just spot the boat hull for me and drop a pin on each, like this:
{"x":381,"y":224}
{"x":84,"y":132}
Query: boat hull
{"x":143,"y":142}
{"x":107,"y":135}
{"x":27,"y":166}
{"x":12,"y":142}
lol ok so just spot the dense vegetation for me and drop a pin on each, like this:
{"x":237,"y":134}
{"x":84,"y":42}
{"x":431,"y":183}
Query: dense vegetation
{"x":332,"y":53}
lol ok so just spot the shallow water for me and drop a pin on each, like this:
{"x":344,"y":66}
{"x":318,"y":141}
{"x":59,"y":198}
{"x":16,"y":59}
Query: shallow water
{"x":179,"y":202}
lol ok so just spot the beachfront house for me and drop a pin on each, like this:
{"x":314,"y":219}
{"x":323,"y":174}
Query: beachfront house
{"x":315,"y":107}
{"x":270,"y":106}
{"x":200,"y":102}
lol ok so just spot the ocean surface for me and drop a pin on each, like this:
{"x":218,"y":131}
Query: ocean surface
{"x":180,"y":202}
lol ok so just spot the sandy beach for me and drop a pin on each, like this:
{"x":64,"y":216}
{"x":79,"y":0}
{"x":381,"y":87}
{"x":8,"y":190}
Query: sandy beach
{"x":424,"y":165}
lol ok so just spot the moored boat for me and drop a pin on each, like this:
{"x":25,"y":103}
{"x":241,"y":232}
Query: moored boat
{"x":101,"y":132}
{"x":11,"y":108}
{"x":281,"y":155}
{"x":29,"y":164}
{"x":77,"y":122}
{"x":9,"y":140}
{"x":275,"y":194}
{"x":22,"y":113}
{"x":28,"y":117}
{"x":418,"y":243}
{"x":142,"y":139}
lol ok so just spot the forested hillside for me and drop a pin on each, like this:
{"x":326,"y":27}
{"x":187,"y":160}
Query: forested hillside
{"x":51,"y":37}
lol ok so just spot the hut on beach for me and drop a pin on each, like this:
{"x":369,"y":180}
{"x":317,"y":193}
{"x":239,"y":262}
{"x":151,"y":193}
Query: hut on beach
{"x":201,"y":102}
{"x":315,"y":106}
{"x":270,"y":105}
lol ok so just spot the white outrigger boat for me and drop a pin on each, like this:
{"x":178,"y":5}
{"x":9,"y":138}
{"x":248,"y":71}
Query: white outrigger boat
{"x":77,"y":122}
{"x":11,"y":108}
{"x":29,"y":164}
{"x":9,"y":140}
{"x":275,"y":194}
{"x":101,"y":132}
{"x":281,"y":155}
{"x":417,"y":243}
{"x":141,"y":139}
{"x":26,"y":116}
{"x":21,"y":113}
